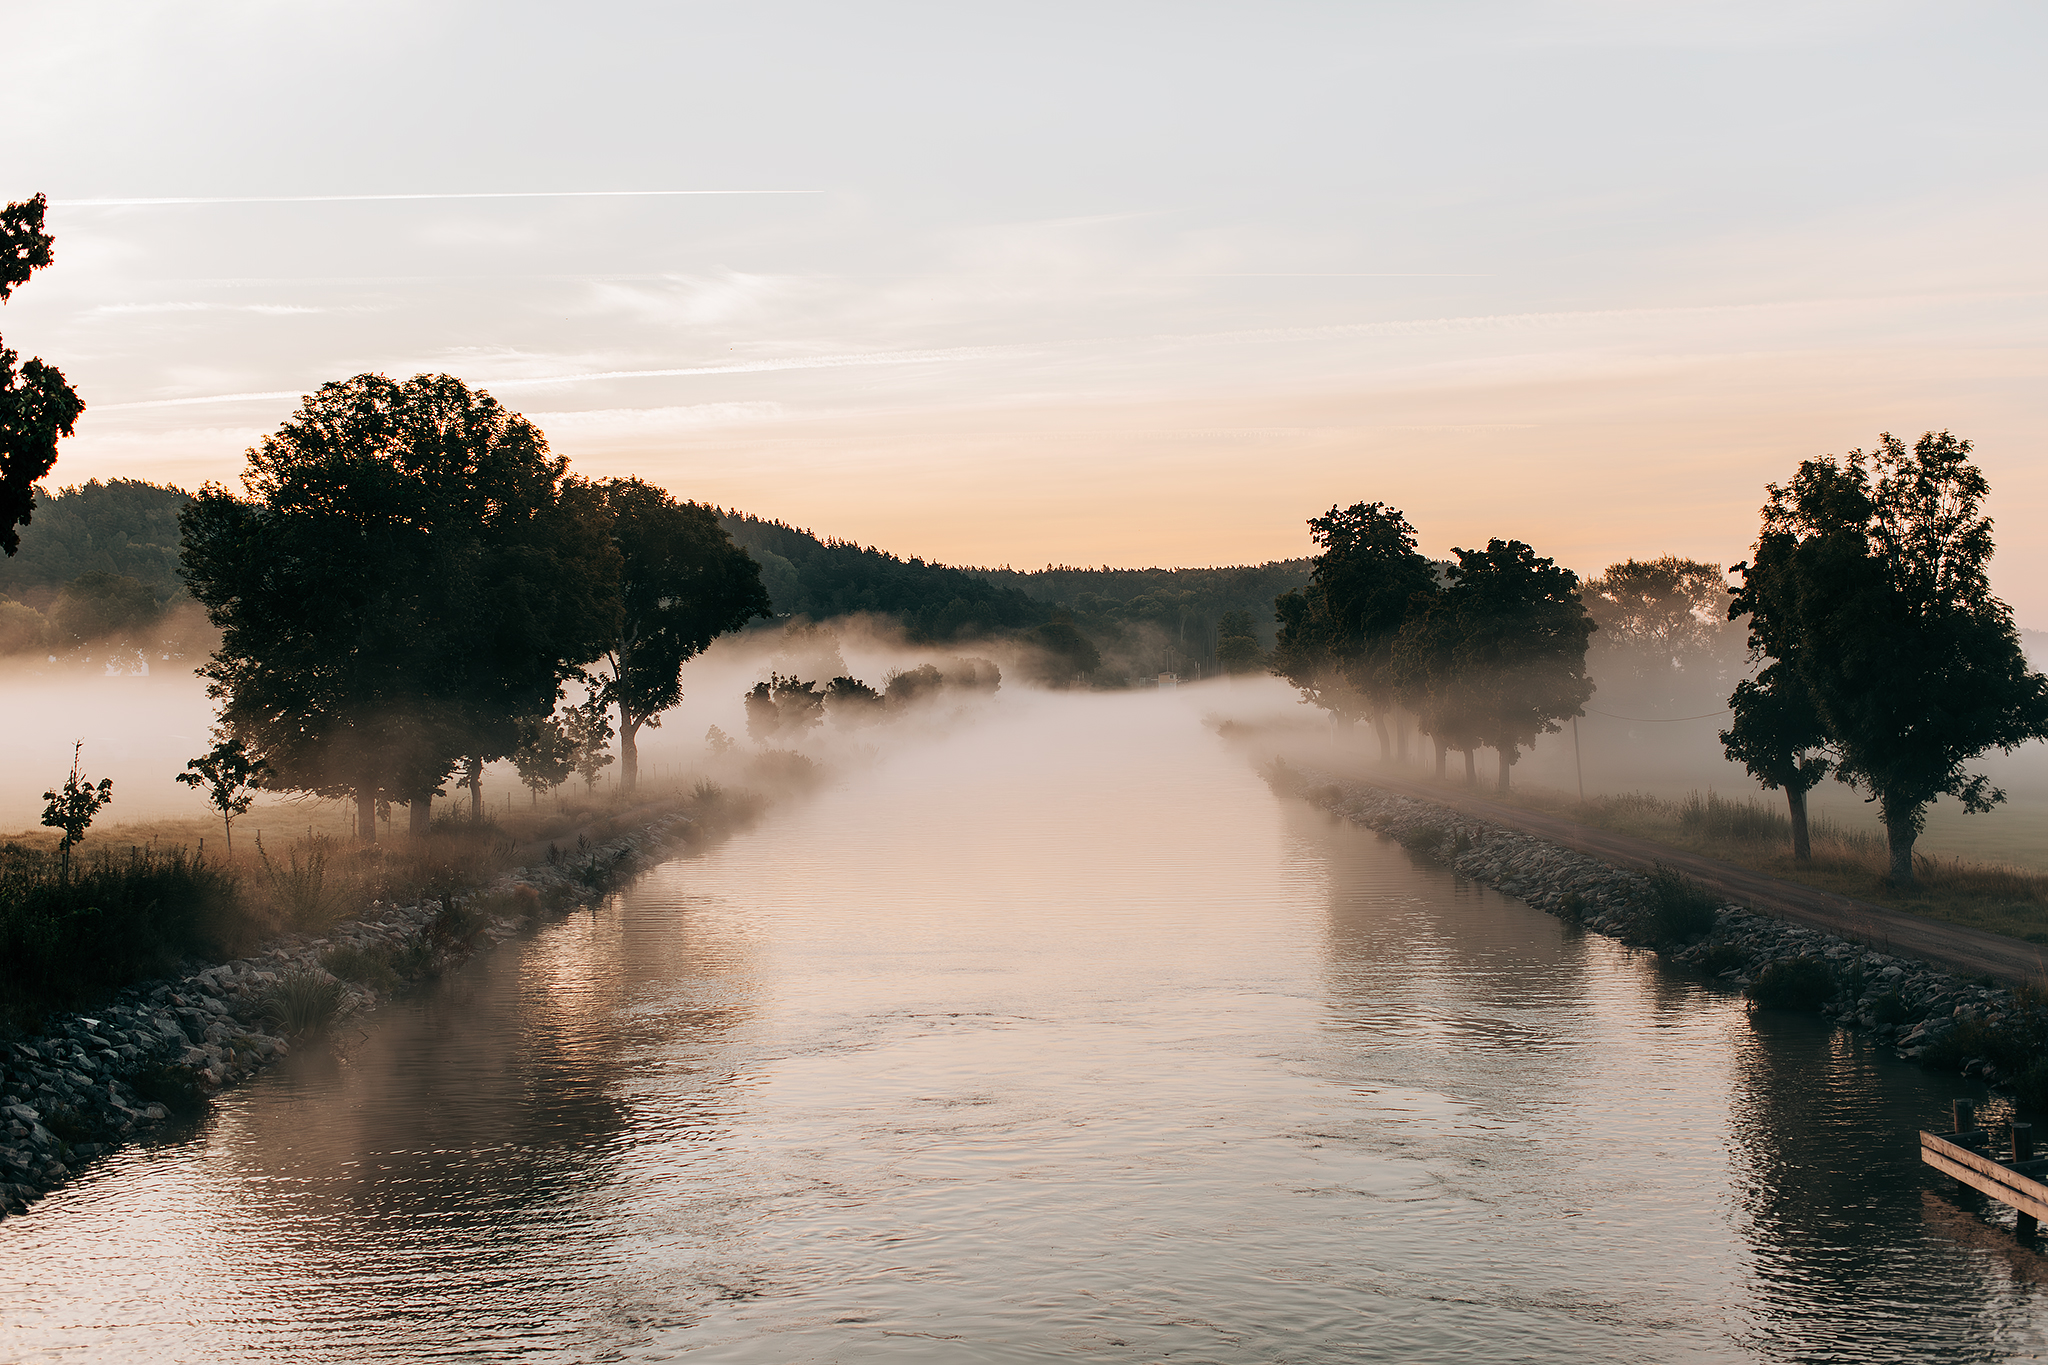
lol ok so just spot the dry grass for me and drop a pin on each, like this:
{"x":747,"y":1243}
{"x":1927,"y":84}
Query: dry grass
{"x":1998,"y":897}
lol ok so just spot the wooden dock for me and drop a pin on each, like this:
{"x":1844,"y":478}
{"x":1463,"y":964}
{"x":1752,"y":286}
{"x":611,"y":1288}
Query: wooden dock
{"x":1966,"y":1156}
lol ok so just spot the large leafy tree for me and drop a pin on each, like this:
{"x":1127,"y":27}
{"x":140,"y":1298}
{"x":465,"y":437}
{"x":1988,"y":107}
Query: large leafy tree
{"x":1345,"y":620}
{"x":1665,"y":642}
{"x":1521,"y":633}
{"x":1870,"y":586}
{"x":679,"y":584}
{"x":36,"y":406}
{"x":405,"y":576}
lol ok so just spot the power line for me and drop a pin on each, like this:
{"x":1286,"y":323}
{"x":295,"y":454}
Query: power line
{"x":1657,"y":720}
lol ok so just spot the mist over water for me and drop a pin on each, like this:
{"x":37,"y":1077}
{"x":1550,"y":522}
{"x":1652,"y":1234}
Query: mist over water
{"x":1049,"y":1034}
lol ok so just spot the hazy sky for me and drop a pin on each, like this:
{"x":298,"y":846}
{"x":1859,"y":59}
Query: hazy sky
{"x":1106,"y":283}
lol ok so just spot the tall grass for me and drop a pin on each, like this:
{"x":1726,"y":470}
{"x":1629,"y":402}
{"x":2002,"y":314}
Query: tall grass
{"x":113,"y":920}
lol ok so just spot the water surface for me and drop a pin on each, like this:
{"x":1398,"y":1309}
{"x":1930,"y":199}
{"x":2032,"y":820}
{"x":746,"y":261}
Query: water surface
{"x":1058,"y":1037}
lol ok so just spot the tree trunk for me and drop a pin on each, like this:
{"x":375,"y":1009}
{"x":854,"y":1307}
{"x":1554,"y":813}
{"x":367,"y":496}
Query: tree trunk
{"x":1507,"y":762}
{"x":1379,"y":725}
{"x":1441,"y":750}
{"x":1899,"y":833}
{"x":420,"y":814}
{"x":629,"y":753}
{"x":476,"y":790}
{"x":366,"y":814}
{"x":1471,"y":769}
{"x":1401,"y":739}
{"x":1802,"y":847}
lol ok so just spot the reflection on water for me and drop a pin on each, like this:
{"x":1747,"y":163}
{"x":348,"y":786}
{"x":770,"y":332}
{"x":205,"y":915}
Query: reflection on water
{"x":1056,"y":1038}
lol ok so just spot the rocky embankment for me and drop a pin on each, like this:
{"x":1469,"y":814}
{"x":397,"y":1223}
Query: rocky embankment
{"x":96,"y":1079}
{"x":1975,"y":1027}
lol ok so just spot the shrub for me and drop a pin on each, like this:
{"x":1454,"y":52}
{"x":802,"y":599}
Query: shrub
{"x":301,"y":896}
{"x":302,"y":1002}
{"x":707,"y":792}
{"x":1889,"y":1008}
{"x":1676,"y":908}
{"x":1718,"y":818}
{"x":1720,"y":957}
{"x":368,"y":968}
{"x":1571,"y":907}
{"x":1421,"y":838}
{"x":114,"y":921}
{"x":175,"y":1087}
{"x":1794,"y":983}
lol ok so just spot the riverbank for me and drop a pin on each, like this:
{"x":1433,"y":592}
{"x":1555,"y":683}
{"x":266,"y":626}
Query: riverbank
{"x":1932,"y":1016}
{"x":92,"y":1080}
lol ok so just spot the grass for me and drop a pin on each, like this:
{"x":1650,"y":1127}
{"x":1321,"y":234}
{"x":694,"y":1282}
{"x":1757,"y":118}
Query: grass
{"x":115,"y":919}
{"x":134,"y":910}
{"x":1757,"y":834}
{"x":303,"y":1002}
{"x":1677,"y":908}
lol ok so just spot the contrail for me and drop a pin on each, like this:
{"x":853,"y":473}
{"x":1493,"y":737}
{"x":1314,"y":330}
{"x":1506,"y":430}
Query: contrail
{"x":823,"y":362}
{"x":365,"y":198}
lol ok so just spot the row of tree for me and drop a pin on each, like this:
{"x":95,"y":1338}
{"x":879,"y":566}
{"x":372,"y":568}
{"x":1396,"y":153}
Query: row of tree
{"x":1877,"y":653}
{"x":410,"y":577}
{"x":1882,"y":655}
{"x":1489,"y":651}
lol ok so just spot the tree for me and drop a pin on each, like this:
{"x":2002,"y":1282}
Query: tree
{"x":1869,"y":583}
{"x":589,"y":728}
{"x":1777,"y":735}
{"x":1309,"y":651}
{"x":1521,"y":633}
{"x":408,"y":574}
{"x":37,"y":408}
{"x":679,"y":584}
{"x":1237,"y":643}
{"x":1665,"y":641}
{"x":784,"y":706}
{"x":545,"y":755}
{"x":231,"y":778}
{"x":852,"y":703}
{"x":1368,"y":574}
{"x":72,"y":806}
{"x":1430,"y":683}
{"x":1067,"y":656}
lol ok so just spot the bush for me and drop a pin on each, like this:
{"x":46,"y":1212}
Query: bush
{"x":1571,"y":907}
{"x":303,"y":1002}
{"x":174,"y":1087}
{"x":1677,"y":908}
{"x":1720,"y":957}
{"x":1794,"y":983}
{"x":1421,"y":838}
{"x":114,"y":921}
{"x":370,"y":969}
{"x":301,"y":896}
{"x":1890,"y":1008}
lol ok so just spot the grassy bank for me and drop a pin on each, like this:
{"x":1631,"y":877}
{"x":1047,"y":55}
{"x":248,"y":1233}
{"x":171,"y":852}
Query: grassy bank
{"x":136,"y":902}
{"x":1757,"y":834}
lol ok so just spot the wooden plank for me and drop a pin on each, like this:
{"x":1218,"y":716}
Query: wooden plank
{"x":2005,"y":1194}
{"x":1984,"y":1165}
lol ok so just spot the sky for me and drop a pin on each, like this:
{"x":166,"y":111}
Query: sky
{"x":1121,"y":284}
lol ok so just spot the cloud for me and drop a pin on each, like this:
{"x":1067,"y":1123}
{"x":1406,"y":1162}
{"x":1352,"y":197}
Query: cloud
{"x":641,"y":421}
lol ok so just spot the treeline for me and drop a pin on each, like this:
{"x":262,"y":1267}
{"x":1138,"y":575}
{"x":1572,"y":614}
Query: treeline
{"x":1487,"y":652}
{"x":821,"y":579}
{"x":1166,"y":620}
{"x":1863,"y":642}
{"x":99,"y":567}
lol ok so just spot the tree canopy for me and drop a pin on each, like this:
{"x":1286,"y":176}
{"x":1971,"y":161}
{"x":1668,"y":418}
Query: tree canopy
{"x":1870,"y":587}
{"x":680,"y":583}
{"x":458,"y":578}
{"x":37,"y":408}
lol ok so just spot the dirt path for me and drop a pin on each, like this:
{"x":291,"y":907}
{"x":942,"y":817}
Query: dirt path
{"x":1972,"y":952}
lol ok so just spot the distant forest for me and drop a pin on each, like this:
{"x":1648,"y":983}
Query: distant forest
{"x":102,"y":558}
